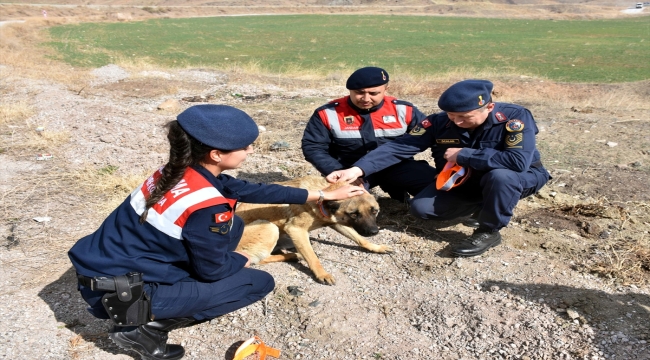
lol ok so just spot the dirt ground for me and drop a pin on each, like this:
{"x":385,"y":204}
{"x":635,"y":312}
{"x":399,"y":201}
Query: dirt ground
{"x":570,"y":281}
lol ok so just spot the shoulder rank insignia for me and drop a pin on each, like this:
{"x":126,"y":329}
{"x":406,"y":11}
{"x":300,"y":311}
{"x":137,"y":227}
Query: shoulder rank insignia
{"x":513,"y":139}
{"x":514,"y":125}
{"x":417,"y":131}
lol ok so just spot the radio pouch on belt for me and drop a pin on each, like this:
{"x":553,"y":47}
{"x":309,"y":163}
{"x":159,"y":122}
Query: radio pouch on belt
{"x":129,"y":305}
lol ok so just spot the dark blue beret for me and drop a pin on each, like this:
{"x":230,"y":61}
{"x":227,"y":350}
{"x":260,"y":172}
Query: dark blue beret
{"x":466,"y":95}
{"x":367,"y":77}
{"x":219,"y":126}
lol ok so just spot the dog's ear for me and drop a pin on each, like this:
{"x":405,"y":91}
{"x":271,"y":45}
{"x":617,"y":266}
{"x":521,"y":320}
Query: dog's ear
{"x":333,"y":206}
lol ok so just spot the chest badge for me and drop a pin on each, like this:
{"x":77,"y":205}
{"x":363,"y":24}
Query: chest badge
{"x":514,"y":125}
{"x":389,"y":119}
{"x":349,"y":120}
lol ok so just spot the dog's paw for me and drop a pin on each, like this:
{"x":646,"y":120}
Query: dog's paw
{"x":327,"y":279}
{"x":381,"y":249}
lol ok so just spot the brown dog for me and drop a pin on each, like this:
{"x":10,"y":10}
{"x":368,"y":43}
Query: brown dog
{"x":266,"y":222}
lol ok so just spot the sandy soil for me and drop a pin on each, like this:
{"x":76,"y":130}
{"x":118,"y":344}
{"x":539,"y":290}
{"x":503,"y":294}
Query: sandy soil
{"x":560,"y":287}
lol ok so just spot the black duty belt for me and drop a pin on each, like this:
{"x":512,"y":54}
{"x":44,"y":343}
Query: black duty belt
{"x":102,"y":283}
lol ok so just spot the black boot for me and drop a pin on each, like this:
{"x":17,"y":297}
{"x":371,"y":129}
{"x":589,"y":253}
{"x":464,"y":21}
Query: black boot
{"x":472,"y":221}
{"x":150,"y":340}
{"x":480,"y":241}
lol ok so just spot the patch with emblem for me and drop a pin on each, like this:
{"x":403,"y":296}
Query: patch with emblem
{"x":222,"y":217}
{"x":447,"y":141}
{"x":223,"y":229}
{"x":417,"y":131}
{"x":389,"y":119}
{"x":514,"y":125}
{"x":348,"y":120}
{"x":513,"y":139}
{"x":426,"y":123}
{"x":481,"y":102}
{"x":499,"y":115}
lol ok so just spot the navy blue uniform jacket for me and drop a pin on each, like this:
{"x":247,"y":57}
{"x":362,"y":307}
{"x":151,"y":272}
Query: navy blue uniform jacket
{"x":122,"y":244}
{"x":488,"y":147}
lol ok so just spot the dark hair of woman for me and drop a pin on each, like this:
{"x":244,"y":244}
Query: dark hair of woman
{"x":184,"y":151}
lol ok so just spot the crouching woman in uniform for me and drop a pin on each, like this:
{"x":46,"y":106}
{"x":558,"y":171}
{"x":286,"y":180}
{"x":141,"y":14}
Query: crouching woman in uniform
{"x":165,"y":258}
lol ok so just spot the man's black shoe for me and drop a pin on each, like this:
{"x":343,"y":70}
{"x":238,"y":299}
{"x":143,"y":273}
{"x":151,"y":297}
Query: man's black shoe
{"x":472,"y":221}
{"x":477,"y":244}
{"x":150,"y":340}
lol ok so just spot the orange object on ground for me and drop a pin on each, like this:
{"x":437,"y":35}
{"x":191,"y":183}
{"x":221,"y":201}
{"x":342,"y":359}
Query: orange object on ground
{"x":255,"y":345}
{"x":452,"y":175}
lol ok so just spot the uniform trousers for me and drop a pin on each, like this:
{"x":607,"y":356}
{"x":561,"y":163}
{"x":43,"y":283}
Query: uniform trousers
{"x":408,"y":175}
{"x":200,"y":300}
{"x":495,"y":193}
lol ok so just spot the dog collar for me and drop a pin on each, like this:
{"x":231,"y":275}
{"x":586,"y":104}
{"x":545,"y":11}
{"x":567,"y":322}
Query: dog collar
{"x":321,"y":207}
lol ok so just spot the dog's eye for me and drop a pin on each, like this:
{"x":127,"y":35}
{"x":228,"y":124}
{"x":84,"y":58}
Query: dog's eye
{"x":374,"y":211}
{"x":353,"y":215}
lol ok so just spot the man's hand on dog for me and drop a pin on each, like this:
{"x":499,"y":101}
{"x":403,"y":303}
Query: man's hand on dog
{"x":347,"y":175}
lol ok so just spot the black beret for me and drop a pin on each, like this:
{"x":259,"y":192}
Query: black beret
{"x":466,"y":95}
{"x":219,"y":126}
{"x":367,"y":77}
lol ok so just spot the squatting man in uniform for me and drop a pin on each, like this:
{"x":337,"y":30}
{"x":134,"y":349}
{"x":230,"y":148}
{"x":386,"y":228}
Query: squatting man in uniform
{"x":165,"y":258}
{"x":493,"y":142}
{"x":342,"y":131}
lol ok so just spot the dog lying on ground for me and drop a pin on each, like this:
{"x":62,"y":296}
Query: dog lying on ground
{"x":265,"y":223}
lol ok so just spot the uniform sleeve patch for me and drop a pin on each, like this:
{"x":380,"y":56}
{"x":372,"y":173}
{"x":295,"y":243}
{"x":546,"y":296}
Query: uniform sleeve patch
{"x":417,"y":131}
{"x":513,"y":139}
{"x":222,"y":229}
{"x":500,"y":116}
{"x":514,"y":125}
{"x":222,"y":217}
{"x":426,"y":123}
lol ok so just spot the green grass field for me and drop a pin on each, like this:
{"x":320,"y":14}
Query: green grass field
{"x":575,"y":51}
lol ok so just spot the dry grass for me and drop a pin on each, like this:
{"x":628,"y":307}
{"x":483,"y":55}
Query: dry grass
{"x":19,"y":45}
{"x":14,"y":113}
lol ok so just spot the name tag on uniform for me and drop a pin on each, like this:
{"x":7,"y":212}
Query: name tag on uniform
{"x":447,"y":141}
{"x":389,"y":119}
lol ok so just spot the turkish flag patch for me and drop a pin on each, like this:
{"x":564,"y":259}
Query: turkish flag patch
{"x":426,"y":123}
{"x":222,"y":217}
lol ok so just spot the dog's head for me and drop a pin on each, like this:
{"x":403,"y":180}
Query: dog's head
{"x":359,"y":212}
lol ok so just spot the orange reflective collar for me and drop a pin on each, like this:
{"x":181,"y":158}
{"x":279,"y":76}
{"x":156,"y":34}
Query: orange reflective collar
{"x":452,"y":175}
{"x":255,"y":345}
